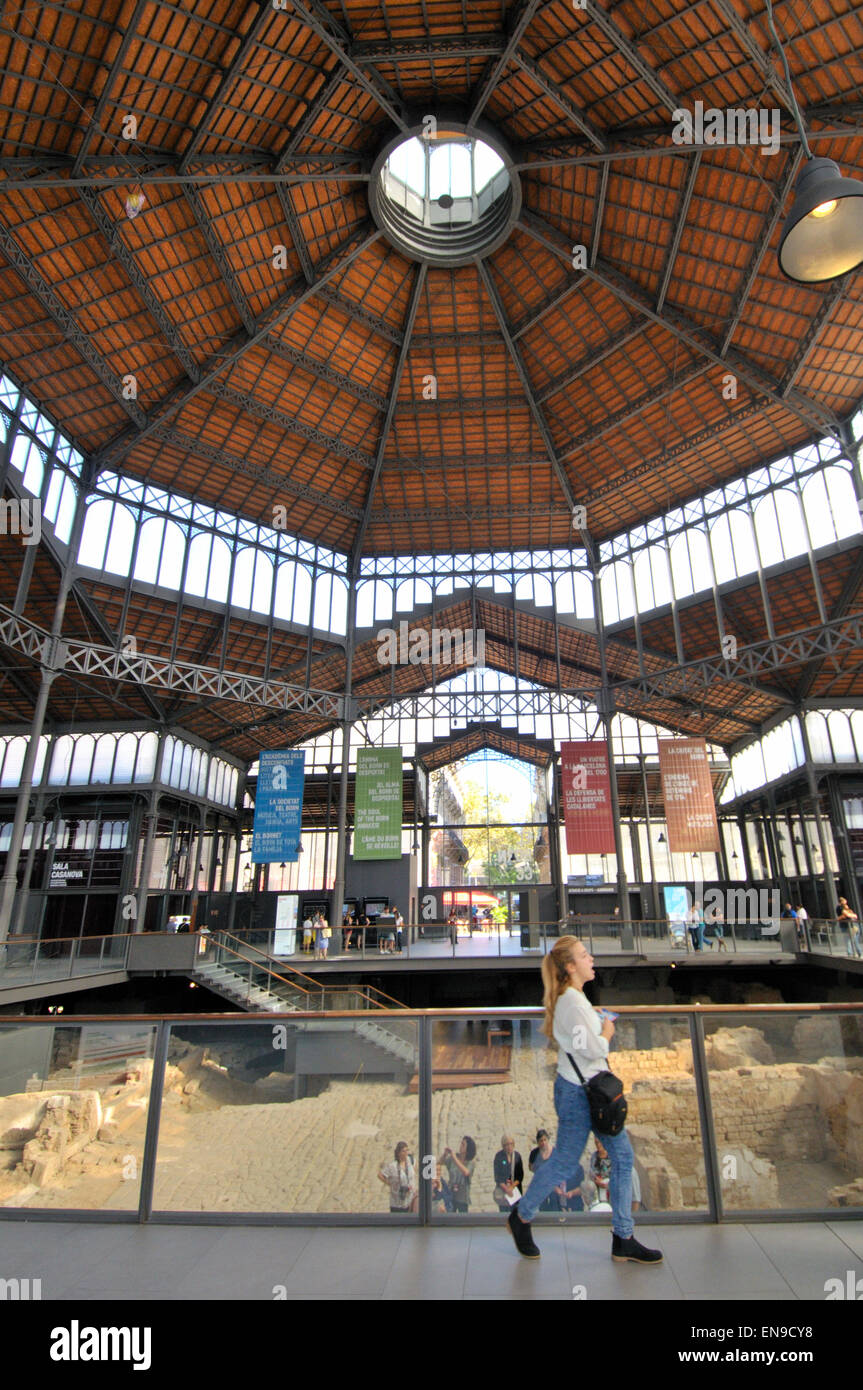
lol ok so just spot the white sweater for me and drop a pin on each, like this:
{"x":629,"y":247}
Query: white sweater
{"x":577,"y":1029}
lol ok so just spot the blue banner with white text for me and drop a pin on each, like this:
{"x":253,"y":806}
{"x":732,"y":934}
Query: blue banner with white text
{"x":278,"y":807}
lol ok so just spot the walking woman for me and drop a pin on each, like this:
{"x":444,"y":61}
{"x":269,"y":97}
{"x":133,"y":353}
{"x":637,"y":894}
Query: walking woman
{"x":573,"y":1023}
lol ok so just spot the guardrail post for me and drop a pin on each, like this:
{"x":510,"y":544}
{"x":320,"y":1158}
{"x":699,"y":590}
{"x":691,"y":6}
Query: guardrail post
{"x":705,"y":1114}
{"x":424,"y":1100}
{"x":154,"y":1115}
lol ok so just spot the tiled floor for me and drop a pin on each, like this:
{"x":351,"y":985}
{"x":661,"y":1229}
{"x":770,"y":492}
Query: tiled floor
{"x":759,"y":1262}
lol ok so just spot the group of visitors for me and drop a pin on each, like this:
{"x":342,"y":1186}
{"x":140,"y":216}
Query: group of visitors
{"x":316,"y":932}
{"x":351,"y":922}
{"x":450,"y":1193}
{"x":572,"y":1193}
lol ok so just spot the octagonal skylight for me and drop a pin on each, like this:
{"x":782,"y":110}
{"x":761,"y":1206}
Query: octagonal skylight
{"x":444,"y":198}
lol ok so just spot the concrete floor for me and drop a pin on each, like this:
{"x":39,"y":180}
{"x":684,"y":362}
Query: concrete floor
{"x":769,"y":1262}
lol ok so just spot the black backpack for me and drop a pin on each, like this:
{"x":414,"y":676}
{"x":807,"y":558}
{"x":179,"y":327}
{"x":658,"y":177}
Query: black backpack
{"x":606,"y":1100}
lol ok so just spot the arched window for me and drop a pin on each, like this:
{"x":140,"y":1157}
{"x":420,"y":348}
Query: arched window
{"x":82,"y":760}
{"x":13,"y":761}
{"x":244,"y":576}
{"x":61,"y":760}
{"x":95,"y":534}
{"x":161,"y":547}
{"x":767,"y":532}
{"x":722,"y":549}
{"x":819,"y":742}
{"x":331,"y":604}
{"x":841,"y":737}
{"x":843,"y":502}
{"x":27,"y":458}
{"x":124,"y":761}
{"x":411,"y":594}
{"x":618,"y":599}
{"x":293,"y":593}
{"x":209,"y":568}
{"x":145,"y":765}
{"x":743,"y":542}
{"x":103,"y":760}
{"x":792,"y":530}
{"x":690,"y":563}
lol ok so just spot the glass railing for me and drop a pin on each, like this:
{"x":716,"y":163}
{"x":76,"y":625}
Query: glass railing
{"x":734,"y":1112}
{"x":602,"y":935}
{"x":26,"y":960}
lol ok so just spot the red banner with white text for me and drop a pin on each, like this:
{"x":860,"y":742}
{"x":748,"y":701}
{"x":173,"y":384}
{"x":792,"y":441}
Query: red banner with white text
{"x":586,"y":790}
{"x":687,"y":790}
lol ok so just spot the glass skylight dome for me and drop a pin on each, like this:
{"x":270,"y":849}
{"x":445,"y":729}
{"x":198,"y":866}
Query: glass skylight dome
{"x":445,"y":198}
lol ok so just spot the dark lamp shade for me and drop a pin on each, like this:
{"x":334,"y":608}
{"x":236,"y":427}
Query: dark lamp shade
{"x":820,"y":241}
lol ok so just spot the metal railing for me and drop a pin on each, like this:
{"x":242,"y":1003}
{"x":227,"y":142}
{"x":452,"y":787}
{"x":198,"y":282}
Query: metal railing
{"x":27,"y":960}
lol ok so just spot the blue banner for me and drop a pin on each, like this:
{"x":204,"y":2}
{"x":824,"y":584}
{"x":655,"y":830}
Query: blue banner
{"x":278,"y":807}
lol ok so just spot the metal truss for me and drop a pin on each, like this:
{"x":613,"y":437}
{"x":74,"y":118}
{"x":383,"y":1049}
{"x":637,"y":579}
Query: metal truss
{"x":386,"y":427}
{"x":634,"y":144}
{"x":68,"y":326}
{"x":482,"y":707}
{"x":520,"y":16}
{"x":227,"y":80}
{"x":830,"y":301}
{"x":287,"y":304}
{"x":830,"y":639}
{"x":415,"y":50}
{"x":331,"y":32}
{"x":560,"y":99}
{"x":233,"y":463}
{"x":682,"y":211}
{"x":780,"y":192}
{"x":527,"y":386}
{"x":68,"y":656}
{"x":324,"y":372}
{"x":109,"y":171}
{"x":264,"y":411}
{"x":119,"y":249}
{"x":682,"y":328}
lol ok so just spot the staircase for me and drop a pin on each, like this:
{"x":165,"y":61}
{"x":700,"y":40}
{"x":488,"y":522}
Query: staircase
{"x":246,"y":977}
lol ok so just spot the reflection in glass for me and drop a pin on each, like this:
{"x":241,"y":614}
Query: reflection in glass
{"x":492,"y":1081}
{"x":787,"y":1093}
{"x":286,"y":1117}
{"x":73,"y":1114}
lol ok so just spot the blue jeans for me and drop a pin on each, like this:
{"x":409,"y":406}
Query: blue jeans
{"x":573,"y":1113}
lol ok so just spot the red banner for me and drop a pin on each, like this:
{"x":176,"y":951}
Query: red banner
{"x":587,"y":797}
{"x":687,"y":790}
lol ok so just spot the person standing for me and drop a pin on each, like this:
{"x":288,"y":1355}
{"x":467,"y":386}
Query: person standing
{"x":400,"y":1176}
{"x":802,"y":926}
{"x":848,"y":919}
{"x":308,"y":932}
{"x":572,"y":1022}
{"x":536,"y":1158}
{"x":460,"y":1168}
{"x":508,"y":1173}
{"x":400,"y":921}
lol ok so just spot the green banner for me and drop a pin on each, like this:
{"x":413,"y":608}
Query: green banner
{"x":378,"y":804}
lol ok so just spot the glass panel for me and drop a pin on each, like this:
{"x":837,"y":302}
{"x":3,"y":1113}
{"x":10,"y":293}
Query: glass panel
{"x":493,"y":1079}
{"x":785,"y":1091}
{"x":73,"y":1114}
{"x":289,"y":1117}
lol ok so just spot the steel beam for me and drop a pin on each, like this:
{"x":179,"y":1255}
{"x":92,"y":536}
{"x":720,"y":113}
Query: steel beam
{"x":682,"y":328}
{"x":551,"y":89}
{"x":264,"y":411}
{"x":780,"y":192}
{"x":522,"y":13}
{"x":287,"y":304}
{"x":126,"y":37}
{"x":682,"y":213}
{"x":330,"y":31}
{"x":395,"y":382}
{"x":518,"y":362}
{"x":248,"y":42}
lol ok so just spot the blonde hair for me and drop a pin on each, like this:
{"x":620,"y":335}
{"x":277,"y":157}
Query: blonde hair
{"x":555,"y":978}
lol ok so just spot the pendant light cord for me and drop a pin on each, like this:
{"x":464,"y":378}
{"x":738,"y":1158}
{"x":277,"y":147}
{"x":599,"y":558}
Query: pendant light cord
{"x":795,"y":108}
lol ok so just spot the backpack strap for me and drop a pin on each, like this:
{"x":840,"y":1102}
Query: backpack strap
{"x":576,"y":1068}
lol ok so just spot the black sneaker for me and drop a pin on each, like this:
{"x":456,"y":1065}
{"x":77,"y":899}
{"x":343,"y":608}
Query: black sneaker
{"x":631,"y":1250}
{"x":521,"y":1235}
